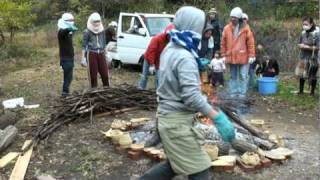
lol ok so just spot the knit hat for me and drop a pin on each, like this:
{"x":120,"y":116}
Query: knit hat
{"x":236,"y":12}
{"x":212,"y":11}
{"x":67,"y":16}
{"x":245,"y":16}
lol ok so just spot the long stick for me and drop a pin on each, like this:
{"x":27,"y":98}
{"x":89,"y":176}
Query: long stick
{"x":244,"y":124}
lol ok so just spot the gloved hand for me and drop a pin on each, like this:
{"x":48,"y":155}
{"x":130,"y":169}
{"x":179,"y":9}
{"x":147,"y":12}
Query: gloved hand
{"x":72,"y":28}
{"x":224,"y":126}
{"x":252,"y":60}
{"x":152,"y":70}
{"x":83,"y":62}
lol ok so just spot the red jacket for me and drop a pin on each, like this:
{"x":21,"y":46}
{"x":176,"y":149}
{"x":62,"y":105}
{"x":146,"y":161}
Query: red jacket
{"x":156,"y":46}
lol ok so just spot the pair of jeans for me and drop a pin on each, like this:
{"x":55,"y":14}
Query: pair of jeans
{"x":238,"y":80}
{"x":97,"y":63}
{"x":145,"y":74}
{"x":163,"y":171}
{"x":67,"y":67}
{"x":251,"y":76}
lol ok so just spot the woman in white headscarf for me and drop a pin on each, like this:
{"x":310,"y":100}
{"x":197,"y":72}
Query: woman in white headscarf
{"x":94,"y":45}
{"x":65,"y":31}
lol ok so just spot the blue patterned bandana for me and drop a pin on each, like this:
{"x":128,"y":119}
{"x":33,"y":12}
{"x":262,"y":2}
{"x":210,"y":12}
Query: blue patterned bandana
{"x":189,"y":40}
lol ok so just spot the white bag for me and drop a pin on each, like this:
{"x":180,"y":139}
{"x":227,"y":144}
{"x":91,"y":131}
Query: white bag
{"x":84,"y":62}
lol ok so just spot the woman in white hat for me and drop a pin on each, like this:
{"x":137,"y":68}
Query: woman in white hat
{"x":94,"y":44}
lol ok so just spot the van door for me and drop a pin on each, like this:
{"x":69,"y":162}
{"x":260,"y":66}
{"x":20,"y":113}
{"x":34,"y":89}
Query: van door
{"x":133,"y":38}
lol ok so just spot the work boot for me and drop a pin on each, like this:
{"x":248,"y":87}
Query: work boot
{"x":301,"y":86}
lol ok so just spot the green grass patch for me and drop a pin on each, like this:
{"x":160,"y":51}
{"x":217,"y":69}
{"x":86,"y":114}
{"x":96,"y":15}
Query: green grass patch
{"x":287,"y":92}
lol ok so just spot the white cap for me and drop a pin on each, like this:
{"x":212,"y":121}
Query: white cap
{"x":67,"y":16}
{"x":95,"y":17}
{"x":113,"y":23}
{"x":236,"y":12}
{"x":245,"y":16}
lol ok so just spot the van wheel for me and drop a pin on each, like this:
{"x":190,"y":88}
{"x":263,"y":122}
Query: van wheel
{"x":116,"y":64}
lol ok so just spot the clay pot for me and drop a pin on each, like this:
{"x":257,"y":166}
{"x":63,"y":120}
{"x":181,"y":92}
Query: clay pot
{"x":250,"y":158}
{"x":137,"y":147}
{"x":125,"y":140}
{"x":212,"y":151}
{"x":114,"y":134}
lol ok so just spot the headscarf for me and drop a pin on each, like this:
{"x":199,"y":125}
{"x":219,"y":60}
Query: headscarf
{"x":90,"y":23}
{"x":188,"y":31}
{"x":64,"y":23}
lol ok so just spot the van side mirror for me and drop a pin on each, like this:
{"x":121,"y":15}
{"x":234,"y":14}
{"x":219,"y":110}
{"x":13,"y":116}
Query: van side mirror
{"x":142,"y":31}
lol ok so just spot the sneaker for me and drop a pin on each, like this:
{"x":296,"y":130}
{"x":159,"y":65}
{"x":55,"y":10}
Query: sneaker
{"x":64,"y":94}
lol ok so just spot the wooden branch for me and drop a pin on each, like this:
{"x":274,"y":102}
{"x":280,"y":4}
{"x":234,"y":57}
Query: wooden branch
{"x":253,"y":130}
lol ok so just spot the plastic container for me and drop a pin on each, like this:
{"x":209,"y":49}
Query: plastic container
{"x":267,"y":85}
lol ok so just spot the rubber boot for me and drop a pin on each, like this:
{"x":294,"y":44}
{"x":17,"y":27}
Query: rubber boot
{"x":313,"y":87}
{"x":301,"y":86}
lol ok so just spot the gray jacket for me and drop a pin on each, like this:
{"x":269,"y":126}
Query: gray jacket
{"x":179,"y":86}
{"x":92,"y":41}
{"x":311,"y":39}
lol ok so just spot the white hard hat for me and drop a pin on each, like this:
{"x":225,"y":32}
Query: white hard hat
{"x":236,"y":12}
{"x":113,"y":23}
{"x":245,"y":16}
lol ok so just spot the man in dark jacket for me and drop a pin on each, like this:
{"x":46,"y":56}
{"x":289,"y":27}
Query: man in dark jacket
{"x":111,"y":32}
{"x":217,"y":28}
{"x":65,"y":31}
{"x":268,"y":68}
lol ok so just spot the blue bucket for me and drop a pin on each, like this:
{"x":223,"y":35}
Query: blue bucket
{"x":267,"y":85}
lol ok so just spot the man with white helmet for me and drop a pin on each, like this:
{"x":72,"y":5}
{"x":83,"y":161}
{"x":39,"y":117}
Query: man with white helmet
{"x":237,"y":46}
{"x":111,"y":32}
{"x":65,"y":32}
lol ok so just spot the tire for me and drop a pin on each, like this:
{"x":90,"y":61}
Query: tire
{"x":116,"y":64}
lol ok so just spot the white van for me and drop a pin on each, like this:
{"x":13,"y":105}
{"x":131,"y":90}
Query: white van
{"x":134,"y":33}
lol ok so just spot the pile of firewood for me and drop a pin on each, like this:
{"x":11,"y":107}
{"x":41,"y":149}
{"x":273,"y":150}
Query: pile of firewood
{"x":96,"y":102}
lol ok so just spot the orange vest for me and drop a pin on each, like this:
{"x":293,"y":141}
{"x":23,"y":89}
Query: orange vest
{"x":237,"y":50}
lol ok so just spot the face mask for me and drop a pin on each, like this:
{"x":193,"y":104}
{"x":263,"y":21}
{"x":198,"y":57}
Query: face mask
{"x":306,"y":28}
{"x":70,"y":23}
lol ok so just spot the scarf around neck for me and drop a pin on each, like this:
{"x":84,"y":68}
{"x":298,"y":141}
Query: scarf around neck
{"x":189,"y":40}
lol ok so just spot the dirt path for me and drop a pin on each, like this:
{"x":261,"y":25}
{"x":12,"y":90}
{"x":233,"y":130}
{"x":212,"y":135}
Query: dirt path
{"x":79,"y":151}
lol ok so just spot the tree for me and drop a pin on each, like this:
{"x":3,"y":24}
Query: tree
{"x":14,"y":16}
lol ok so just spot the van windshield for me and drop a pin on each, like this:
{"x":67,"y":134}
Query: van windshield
{"x":157,"y":25}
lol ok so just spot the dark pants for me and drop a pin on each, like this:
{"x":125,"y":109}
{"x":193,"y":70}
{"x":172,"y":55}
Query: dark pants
{"x":97,"y":63}
{"x":313,"y":84}
{"x":217,"y":77}
{"x":67,"y":67}
{"x":163,"y":171}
